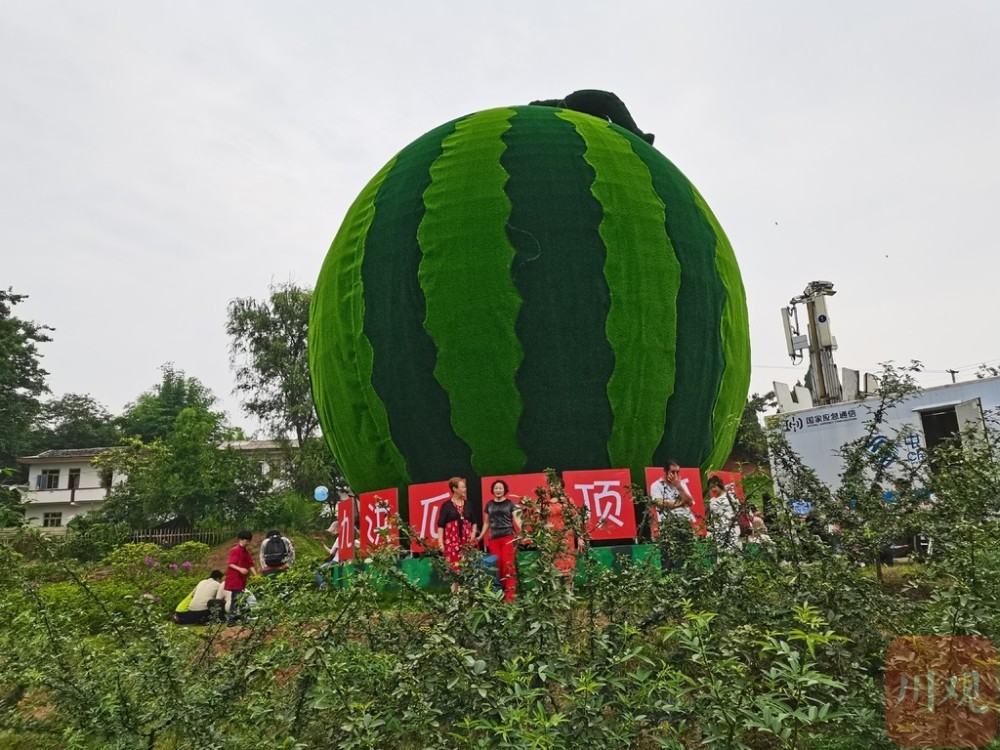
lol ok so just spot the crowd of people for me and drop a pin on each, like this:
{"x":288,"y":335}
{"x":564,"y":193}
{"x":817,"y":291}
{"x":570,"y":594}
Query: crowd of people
{"x":730,"y":523}
{"x":503,"y":528}
{"x":225,"y":594}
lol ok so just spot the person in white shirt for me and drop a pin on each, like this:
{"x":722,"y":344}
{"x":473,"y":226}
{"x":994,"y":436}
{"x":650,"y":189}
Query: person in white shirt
{"x":671,"y":502}
{"x":669,"y":495}
{"x":332,"y":558}
{"x":723,"y":516}
{"x":195,"y":608}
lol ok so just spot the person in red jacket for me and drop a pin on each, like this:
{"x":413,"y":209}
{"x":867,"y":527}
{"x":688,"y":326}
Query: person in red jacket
{"x":239,"y":567}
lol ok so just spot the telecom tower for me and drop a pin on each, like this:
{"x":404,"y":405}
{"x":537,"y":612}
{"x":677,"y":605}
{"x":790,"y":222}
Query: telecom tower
{"x":824,"y":384}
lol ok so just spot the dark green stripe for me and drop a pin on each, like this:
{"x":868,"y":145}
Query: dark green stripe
{"x":559,"y":272}
{"x":472,"y":304}
{"x":344,"y":365}
{"x":643,"y":277}
{"x":404,"y":354}
{"x":699,"y":361}
{"x":735,"y":335}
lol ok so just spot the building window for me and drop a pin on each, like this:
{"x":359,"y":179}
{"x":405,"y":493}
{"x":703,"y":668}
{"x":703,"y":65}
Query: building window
{"x":74,"y":479}
{"x":48,"y":479}
{"x":52,"y":519}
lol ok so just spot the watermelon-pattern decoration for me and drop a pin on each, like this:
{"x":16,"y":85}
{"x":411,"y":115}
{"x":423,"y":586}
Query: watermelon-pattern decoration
{"x":522,"y":288}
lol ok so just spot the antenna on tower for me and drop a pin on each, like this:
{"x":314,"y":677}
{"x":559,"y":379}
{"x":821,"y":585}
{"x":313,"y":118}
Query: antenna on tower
{"x":824,"y":384}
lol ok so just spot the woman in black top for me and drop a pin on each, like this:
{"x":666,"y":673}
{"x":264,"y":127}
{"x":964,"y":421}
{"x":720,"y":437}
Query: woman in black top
{"x":502,"y":522}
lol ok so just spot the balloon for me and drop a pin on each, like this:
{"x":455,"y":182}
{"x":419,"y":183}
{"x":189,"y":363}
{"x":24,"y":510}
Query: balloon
{"x":321,"y":493}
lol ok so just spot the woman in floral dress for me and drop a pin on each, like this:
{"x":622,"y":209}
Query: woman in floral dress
{"x":457,"y":527}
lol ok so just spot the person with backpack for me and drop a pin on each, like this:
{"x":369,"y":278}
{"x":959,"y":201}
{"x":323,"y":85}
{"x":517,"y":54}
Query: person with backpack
{"x":277,"y":553}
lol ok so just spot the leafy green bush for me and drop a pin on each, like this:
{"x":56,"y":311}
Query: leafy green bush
{"x":90,"y":541}
{"x":288,"y":511}
{"x":30,"y":542}
{"x":340,"y":668}
{"x":192,"y":553}
{"x":779,"y":650}
{"x":128,"y":559}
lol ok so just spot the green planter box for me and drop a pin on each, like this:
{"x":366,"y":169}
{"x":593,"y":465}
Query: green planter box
{"x":418,"y":570}
{"x":421,"y":573}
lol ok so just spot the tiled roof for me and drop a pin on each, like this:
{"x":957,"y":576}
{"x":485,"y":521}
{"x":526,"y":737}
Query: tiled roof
{"x":68,"y":453}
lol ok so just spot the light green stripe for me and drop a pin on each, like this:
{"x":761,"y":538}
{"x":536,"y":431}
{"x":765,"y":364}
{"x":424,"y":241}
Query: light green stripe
{"x":472,"y":304}
{"x":345,"y":366}
{"x":735,"y":337}
{"x":643,"y":276}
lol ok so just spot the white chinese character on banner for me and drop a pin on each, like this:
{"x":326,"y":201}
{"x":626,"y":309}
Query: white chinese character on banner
{"x":604,"y":505}
{"x":346,"y":531}
{"x":378,"y":520}
{"x":429,"y":522}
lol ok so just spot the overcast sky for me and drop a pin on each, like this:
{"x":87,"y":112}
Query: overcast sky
{"x":160,"y":159}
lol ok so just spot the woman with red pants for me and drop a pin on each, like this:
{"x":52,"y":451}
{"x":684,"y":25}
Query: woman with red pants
{"x":502,"y":522}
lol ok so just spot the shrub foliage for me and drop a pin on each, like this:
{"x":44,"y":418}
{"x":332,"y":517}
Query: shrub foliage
{"x":783,"y":648}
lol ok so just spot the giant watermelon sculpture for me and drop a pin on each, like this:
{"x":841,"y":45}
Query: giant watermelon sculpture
{"x":522,"y":288}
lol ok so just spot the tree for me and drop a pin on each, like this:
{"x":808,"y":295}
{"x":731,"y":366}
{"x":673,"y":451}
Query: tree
{"x":171,"y":459}
{"x":154,"y":414}
{"x":269,"y":353}
{"x":12,"y":505}
{"x":270,"y":356}
{"x":22,"y":379}
{"x":751,"y":438}
{"x":74,"y":421}
{"x":184,"y":475}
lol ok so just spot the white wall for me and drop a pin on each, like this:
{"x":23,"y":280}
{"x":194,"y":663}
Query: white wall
{"x":816,"y":435}
{"x":88,"y":496}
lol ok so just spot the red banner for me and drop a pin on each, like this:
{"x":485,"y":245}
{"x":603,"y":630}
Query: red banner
{"x":606,"y":495}
{"x":690,"y":480}
{"x":425,"y":505}
{"x":518,"y":485}
{"x":345,"y":528}
{"x":379,"y":511}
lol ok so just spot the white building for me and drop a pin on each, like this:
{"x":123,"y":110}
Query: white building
{"x":268,"y":453}
{"x":63,"y":484}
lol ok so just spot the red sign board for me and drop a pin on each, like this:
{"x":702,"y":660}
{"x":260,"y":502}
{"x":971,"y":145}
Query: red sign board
{"x":518,"y":485}
{"x":691,"y":481}
{"x":345,"y":528}
{"x":606,"y":495}
{"x":425,"y":506}
{"x":379,"y":511}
